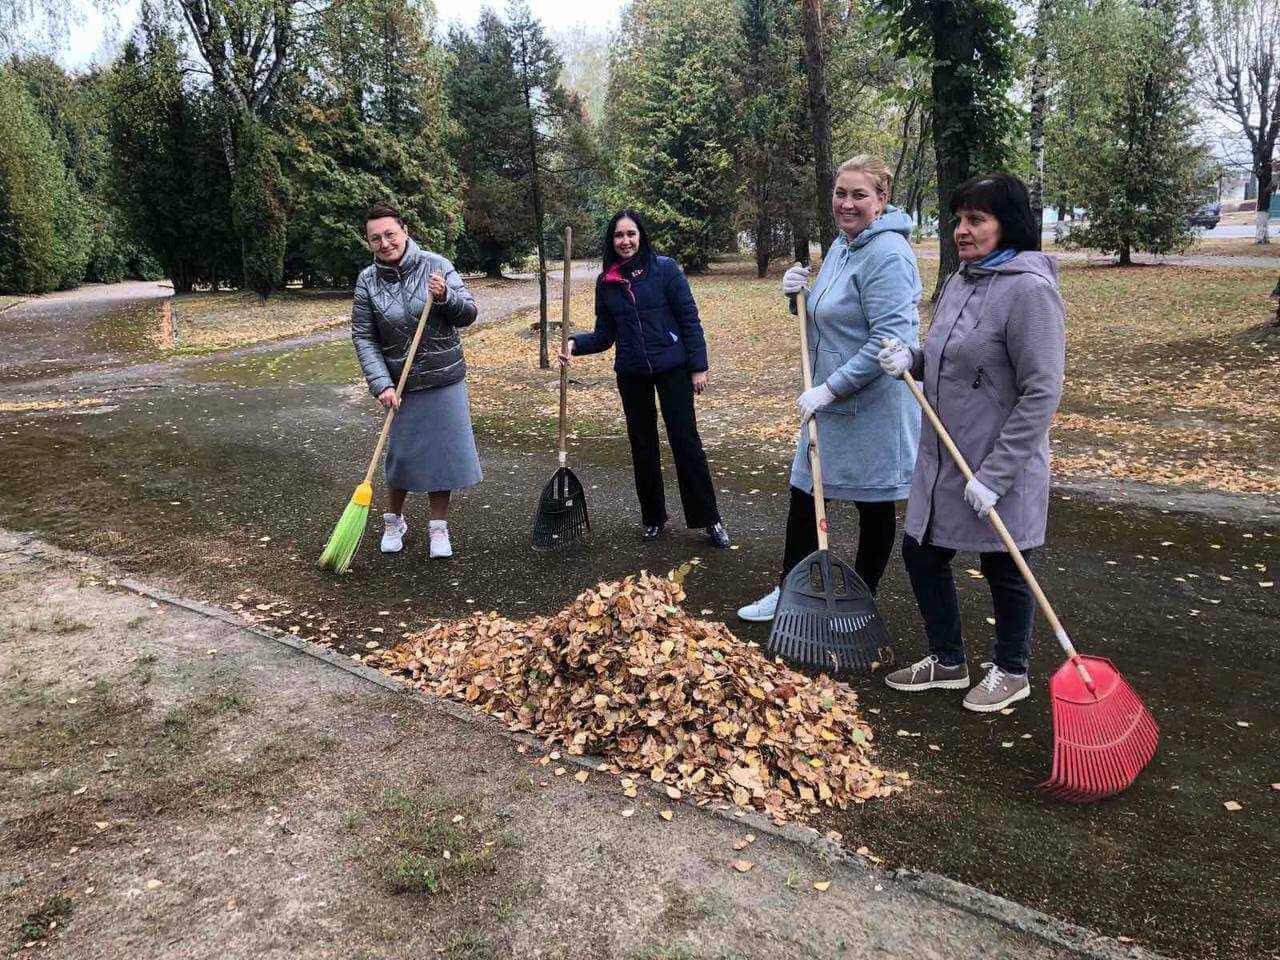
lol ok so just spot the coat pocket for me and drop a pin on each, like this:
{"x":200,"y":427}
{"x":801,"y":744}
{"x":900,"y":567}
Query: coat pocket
{"x":982,"y":381}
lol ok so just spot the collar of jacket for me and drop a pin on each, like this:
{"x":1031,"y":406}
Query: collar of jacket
{"x":394,"y":273}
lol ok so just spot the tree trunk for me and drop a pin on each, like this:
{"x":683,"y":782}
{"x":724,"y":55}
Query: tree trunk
{"x":1039,"y":97}
{"x":1266,"y":186}
{"x":820,"y":123}
{"x":952,"y":100}
{"x":763,"y":238}
{"x":1126,"y":256}
{"x":539,"y":216}
{"x":800,"y":241}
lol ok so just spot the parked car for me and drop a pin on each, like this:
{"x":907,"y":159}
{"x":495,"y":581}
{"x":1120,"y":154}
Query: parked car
{"x":1206,"y":216}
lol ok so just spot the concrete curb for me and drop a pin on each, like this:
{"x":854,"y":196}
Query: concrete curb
{"x":960,"y":896}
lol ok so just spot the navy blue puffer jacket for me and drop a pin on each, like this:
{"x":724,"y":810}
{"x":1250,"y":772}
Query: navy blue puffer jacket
{"x":647,"y":309}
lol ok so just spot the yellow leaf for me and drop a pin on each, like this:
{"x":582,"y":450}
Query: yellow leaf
{"x":821,"y":885}
{"x":666,"y":815}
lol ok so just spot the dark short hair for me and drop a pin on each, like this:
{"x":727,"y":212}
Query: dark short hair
{"x":383,"y":208}
{"x":1005,"y":197}
{"x":609,"y":256}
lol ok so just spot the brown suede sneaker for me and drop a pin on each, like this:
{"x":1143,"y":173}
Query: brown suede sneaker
{"x":997,"y":690}
{"x":929,"y":674}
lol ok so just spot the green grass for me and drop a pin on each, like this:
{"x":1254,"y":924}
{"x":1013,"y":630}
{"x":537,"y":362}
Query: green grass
{"x":420,"y":849}
{"x":54,"y":911}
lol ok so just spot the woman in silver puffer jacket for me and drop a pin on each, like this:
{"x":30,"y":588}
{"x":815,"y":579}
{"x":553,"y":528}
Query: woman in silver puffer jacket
{"x":431,"y":448}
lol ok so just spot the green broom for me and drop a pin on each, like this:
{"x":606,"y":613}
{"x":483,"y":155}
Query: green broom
{"x":349,"y":529}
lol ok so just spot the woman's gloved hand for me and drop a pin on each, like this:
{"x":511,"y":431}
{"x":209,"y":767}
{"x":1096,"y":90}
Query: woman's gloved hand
{"x":981,"y":497}
{"x":813,"y":400}
{"x":795,"y":279}
{"x":895,"y":358}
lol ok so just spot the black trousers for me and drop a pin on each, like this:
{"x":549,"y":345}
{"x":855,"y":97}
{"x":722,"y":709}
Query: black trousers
{"x":674,"y":392}
{"x":877,"y":524}
{"x":930,"y":570}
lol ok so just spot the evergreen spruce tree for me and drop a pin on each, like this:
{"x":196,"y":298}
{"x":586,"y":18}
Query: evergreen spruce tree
{"x":673,"y":124}
{"x":487,"y":106}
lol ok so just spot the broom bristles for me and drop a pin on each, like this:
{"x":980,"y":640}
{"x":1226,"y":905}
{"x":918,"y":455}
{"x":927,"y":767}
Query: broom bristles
{"x":346,"y":535}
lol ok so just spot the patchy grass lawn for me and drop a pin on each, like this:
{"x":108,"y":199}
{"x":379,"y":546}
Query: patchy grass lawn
{"x":1171,"y":376}
{"x":209,"y":321}
{"x":9,"y":300}
{"x":202,"y":322}
{"x":1235,"y":247}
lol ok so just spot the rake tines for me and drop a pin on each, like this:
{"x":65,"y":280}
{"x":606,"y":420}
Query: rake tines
{"x":827,"y":621}
{"x":1103,"y":738}
{"x":562,"y":512}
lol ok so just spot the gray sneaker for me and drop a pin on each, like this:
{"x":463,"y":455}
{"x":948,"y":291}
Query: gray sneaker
{"x":929,"y":674}
{"x":997,"y":690}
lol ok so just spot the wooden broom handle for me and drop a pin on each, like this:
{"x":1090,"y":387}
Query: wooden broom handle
{"x":815,"y":460}
{"x":1001,"y":529}
{"x":404,"y":378}
{"x":564,"y":341}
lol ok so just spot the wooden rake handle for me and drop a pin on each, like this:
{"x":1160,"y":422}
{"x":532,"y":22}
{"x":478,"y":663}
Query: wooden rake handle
{"x":404,"y":378}
{"x":815,"y":459}
{"x":561,"y":445}
{"x":1058,"y":630}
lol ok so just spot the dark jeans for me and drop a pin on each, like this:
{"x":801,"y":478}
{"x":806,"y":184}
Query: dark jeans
{"x":930,"y":570}
{"x":876,"y":526}
{"x":674,"y":392}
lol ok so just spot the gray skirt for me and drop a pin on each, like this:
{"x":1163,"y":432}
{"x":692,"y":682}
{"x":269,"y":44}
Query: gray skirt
{"x":431,"y":446}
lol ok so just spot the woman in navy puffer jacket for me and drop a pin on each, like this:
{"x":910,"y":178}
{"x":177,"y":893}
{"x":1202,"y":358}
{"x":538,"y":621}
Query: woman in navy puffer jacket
{"x":645,"y":307}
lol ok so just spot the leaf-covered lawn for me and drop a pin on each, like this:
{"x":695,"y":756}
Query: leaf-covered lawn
{"x":1172,"y":373}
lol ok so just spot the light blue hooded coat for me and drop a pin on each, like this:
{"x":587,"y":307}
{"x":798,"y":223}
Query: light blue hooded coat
{"x":867,"y":290}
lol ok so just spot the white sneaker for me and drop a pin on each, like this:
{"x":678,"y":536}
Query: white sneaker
{"x":440,"y":545}
{"x":763,"y":609}
{"x":393,"y":531}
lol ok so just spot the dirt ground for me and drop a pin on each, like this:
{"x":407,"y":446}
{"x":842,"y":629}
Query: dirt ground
{"x":178,"y":787}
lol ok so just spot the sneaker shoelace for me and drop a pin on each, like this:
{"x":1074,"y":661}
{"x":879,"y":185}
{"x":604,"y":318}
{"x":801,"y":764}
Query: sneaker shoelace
{"x":930,"y":661}
{"x":993,"y":677}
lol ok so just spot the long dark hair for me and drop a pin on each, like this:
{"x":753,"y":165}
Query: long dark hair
{"x":608,"y":255}
{"x":1005,"y":197}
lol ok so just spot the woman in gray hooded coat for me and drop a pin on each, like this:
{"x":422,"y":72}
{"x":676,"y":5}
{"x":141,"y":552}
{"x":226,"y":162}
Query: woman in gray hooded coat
{"x":992,"y":367}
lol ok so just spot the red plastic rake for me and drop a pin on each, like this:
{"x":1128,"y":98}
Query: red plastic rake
{"x":1103,"y":734}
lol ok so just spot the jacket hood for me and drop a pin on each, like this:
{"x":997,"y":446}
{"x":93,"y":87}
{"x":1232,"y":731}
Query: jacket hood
{"x":892,"y":220}
{"x":1027,"y":261}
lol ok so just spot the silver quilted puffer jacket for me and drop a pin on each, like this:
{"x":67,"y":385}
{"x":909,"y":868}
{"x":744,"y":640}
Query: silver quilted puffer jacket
{"x":384,"y":316}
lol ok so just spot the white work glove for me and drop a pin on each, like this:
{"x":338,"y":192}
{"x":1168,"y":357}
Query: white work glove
{"x":813,"y":400}
{"x":981,"y":497}
{"x":795,"y":280}
{"x":895,"y":358}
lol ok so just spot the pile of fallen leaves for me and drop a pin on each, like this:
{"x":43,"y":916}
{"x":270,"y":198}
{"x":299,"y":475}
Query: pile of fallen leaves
{"x":626,"y":674}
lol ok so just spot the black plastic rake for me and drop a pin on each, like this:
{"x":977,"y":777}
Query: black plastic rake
{"x":562,"y":509}
{"x":826,"y":618}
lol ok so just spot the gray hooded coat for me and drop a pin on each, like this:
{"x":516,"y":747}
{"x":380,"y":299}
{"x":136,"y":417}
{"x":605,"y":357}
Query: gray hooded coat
{"x":992,"y":367}
{"x":388,"y":301}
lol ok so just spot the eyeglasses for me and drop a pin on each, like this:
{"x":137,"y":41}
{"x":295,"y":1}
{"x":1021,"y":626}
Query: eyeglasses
{"x":378,"y":239}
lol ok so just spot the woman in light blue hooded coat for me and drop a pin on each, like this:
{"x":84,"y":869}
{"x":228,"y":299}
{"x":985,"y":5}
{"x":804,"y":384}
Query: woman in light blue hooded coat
{"x":868,"y":423}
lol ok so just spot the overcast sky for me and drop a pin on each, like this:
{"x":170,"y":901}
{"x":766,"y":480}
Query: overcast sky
{"x":94,"y":36}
